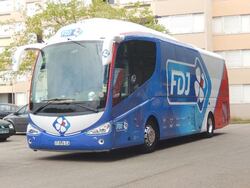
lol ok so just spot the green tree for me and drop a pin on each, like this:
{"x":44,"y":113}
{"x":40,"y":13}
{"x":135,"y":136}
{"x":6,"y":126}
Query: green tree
{"x":55,"y":15}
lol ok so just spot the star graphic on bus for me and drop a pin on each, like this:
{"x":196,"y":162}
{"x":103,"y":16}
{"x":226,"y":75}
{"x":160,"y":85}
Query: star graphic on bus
{"x":61,"y":124}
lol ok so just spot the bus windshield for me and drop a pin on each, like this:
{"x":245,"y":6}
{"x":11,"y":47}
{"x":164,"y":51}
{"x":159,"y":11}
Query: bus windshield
{"x":72,"y":71}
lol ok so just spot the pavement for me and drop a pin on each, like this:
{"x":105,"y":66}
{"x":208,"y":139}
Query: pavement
{"x":192,"y":161}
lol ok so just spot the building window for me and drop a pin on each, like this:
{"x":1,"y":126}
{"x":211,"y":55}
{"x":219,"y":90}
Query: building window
{"x":236,"y":58}
{"x":245,"y":24}
{"x":19,"y":5}
{"x":180,"y":24}
{"x":5,"y":30}
{"x":31,"y":9}
{"x":246,"y":93}
{"x":245,"y":58}
{"x":231,"y":24}
{"x":6,"y":6}
{"x":239,"y":94}
{"x":18,"y":27}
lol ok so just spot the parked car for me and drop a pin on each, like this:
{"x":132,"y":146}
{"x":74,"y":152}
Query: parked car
{"x":6,"y":130}
{"x":6,"y":108}
{"x":19,"y":119}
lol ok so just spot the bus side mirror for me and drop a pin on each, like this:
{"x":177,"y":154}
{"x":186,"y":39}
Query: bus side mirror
{"x":17,"y":57}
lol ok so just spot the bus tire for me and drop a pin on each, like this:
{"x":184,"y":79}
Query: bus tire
{"x":3,"y":139}
{"x":210,"y":126}
{"x":151,"y":137}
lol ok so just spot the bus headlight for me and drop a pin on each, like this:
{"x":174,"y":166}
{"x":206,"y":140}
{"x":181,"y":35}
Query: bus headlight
{"x":32,"y":130}
{"x":103,"y":129}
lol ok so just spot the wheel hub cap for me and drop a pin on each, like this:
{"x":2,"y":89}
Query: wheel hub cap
{"x":210,"y":126}
{"x":149,"y":135}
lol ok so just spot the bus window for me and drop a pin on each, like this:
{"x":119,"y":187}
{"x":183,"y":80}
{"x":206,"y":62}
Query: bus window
{"x":135,"y":64}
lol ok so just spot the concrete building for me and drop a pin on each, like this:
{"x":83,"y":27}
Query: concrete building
{"x":11,"y":11}
{"x":222,"y":26}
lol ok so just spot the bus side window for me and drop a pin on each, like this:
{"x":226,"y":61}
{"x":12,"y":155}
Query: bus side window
{"x":121,"y":71}
{"x":135,"y":64}
{"x":142,"y":63}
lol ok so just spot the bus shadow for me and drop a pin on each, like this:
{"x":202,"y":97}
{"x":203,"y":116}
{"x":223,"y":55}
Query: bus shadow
{"x":183,"y":140}
{"x":124,"y":153}
{"x":111,"y":156}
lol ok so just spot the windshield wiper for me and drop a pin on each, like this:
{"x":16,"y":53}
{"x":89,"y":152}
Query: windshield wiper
{"x":51,"y":101}
{"x":76,"y":42}
{"x":87,"y":107}
{"x":63,"y":101}
{"x":58,"y":100}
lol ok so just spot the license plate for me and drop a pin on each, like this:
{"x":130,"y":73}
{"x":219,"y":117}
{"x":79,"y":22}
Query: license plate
{"x":62,"y":143}
{"x":4,"y":131}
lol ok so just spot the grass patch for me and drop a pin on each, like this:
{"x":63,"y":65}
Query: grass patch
{"x":236,"y":120}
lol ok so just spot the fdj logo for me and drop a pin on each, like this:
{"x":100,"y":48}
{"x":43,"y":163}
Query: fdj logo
{"x":61,"y":124}
{"x":187,"y":83}
{"x":180,"y":82}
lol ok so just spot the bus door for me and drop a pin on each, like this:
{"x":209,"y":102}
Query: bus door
{"x":134,"y":65}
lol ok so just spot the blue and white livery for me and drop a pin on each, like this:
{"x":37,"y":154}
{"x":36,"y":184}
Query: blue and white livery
{"x":103,"y":84}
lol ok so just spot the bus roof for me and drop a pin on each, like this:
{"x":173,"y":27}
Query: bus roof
{"x":102,"y":28}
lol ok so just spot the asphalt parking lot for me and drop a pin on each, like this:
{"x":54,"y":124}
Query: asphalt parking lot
{"x":222,"y":161}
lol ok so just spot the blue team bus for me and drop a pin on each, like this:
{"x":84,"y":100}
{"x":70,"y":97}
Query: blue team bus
{"x":103,"y":84}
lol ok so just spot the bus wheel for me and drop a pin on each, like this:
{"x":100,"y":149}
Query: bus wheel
{"x":3,"y":139}
{"x":210,"y":126}
{"x":151,"y":137}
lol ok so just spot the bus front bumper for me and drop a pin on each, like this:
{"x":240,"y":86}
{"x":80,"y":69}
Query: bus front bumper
{"x":78,"y":142}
